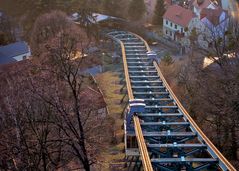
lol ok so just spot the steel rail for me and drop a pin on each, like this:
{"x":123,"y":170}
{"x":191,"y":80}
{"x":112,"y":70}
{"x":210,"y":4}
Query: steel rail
{"x":138,"y":131}
{"x":142,"y":145}
{"x":217,"y":153}
{"x":224,"y":164}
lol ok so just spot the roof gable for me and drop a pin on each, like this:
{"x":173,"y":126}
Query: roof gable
{"x":179,"y":15}
{"x":213,"y":15}
{"x":201,"y":4}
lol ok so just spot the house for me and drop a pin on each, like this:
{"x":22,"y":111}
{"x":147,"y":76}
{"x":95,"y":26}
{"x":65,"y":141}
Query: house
{"x":198,"y":5}
{"x":216,"y":21}
{"x":211,"y":25}
{"x":176,"y":21}
{"x":14,"y":52}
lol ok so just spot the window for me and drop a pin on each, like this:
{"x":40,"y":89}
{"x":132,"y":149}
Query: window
{"x":181,"y":30}
{"x":175,"y":26}
{"x":170,"y":33}
{"x":166,"y":31}
{"x":171,"y":24}
{"x":166,"y":22}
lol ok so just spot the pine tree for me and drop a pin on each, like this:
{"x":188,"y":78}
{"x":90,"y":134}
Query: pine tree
{"x":159,"y":12}
{"x":137,"y":9}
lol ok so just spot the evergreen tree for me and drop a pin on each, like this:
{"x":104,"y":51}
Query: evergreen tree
{"x":159,"y":12}
{"x":137,"y":9}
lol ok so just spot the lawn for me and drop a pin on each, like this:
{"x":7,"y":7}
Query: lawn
{"x":109,"y":83}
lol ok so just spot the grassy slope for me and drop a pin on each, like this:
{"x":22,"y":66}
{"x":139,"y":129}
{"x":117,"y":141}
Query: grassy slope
{"x":109,"y":83}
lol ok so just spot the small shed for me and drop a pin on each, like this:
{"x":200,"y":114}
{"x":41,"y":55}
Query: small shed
{"x":14,"y":52}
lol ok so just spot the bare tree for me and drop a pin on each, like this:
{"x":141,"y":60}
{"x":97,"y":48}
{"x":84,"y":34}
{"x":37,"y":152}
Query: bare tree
{"x":7,"y":30}
{"x":59,"y":124}
{"x":46,"y":27}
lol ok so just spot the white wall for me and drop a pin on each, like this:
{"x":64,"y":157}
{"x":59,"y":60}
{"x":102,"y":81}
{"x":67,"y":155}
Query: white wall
{"x":173,"y":29}
{"x":219,"y":30}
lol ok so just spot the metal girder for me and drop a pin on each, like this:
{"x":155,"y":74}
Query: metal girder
{"x":134,"y":43}
{"x":124,"y":35}
{"x":148,"y":87}
{"x":202,"y":167}
{"x":134,"y":46}
{"x":136,"y":54}
{"x":144,"y":76}
{"x":158,"y":99}
{"x":151,"y":93}
{"x":172,"y":129}
{"x":175,"y":145}
{"x":140,"y":62}
{"x":139,"y":58}
{"x":146,"y":81}
{"x":169,"y":134}
{"x":143,"y":71}
{"x":136,"y":50}
{"x":183,"y":159}
{"x":129,"y":39}
{"x":157,"y":107}
{"x":164,"y":123}
{"x":139,"y":67}
{"x":166,"y":134}
{"x":161,"y":115}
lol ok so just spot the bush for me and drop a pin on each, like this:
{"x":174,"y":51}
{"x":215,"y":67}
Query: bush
{"x":167,"y":59}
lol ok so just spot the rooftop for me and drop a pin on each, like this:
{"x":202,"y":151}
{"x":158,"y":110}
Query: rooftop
{"x":213,"y":15}
{"x":179,"y":15}
{"x":201,"y":4}
{"x":96,"y":17}
{"x":8,"y":52}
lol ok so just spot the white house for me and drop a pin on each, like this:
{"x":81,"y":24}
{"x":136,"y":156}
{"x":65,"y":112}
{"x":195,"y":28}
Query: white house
{"x":212,"y":24}
{"x":176,"y":21}
{"x":198,"y":5}
{"x":216,"y":21}
{"x":14,"y":52}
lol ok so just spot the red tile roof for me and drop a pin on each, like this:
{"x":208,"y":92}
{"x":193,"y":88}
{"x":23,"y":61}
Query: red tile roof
{"x":179,"y":15}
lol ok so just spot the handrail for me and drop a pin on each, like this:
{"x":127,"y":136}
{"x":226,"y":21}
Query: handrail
{"x":142,"y":145}
{"x":193,"y":123}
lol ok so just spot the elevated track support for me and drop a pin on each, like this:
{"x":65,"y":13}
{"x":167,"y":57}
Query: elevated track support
{"x":159,"y":133}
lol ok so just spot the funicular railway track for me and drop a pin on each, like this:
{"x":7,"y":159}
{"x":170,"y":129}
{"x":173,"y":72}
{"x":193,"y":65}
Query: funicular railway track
{"x":167,"y":137}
